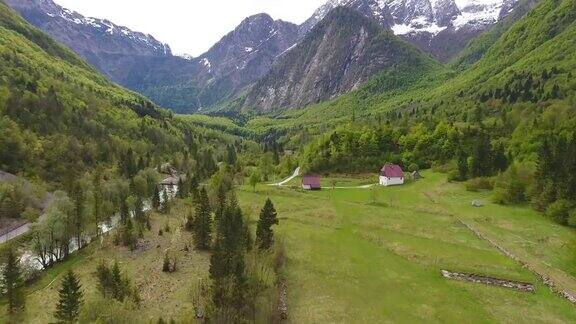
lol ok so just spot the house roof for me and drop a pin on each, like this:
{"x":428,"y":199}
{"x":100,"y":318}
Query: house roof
{"x":392,"y":171}
{"x":311,"y":180}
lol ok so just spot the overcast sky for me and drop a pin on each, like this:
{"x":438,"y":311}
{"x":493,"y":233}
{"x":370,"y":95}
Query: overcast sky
{"x":189,"y":26}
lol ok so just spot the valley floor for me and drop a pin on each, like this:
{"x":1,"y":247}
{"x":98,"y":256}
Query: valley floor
{"x":356,"y":255}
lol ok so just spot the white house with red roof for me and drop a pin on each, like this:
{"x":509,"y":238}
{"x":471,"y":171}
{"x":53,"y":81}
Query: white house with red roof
{"x":311,"y":182}
{"x":391,"y":175}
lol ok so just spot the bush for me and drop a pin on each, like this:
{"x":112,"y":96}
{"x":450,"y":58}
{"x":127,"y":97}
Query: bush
{"x":477,"y":184}
{"x":511,"y":187}
{"x":454,"y":176}
{"x":572,"y":218}
{"x":413,"y":167}
{"x":559,"y":211}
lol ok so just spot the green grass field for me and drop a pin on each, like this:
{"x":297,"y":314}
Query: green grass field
{"x":359,"y":255}
{"x":163,"y":294}
{"x":355,"y":260}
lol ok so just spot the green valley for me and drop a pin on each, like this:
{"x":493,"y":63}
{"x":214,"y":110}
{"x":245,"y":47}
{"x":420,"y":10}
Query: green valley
{"x":348,"y":178}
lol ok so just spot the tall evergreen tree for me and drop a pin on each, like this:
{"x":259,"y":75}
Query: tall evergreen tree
{"x":193,"y":185}
{"x":227,"y":265}
{"x":481,"y":157}
{"x":182,"y":192}
{"x":12,"y":283}
{"x":462,"y":166}
{"x":124,"y":210}
{"x":140,"y":215}
{"x":499,"y":160}
{"x":165,"y":206}
{"x":97,"y":199}
{"x":264,"y":233}
{"x":203,"y":222}
{"x":78,"y":213}
{"x":156,"y":198}
{"x":70,"y":299}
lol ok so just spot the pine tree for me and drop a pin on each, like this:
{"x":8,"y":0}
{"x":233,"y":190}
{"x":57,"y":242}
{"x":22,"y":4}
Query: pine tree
{"x":156,"y":198}
{"x":203,"y":222}
{"x":499,"y":160}
{"x":264,"y":233}
{"x":165,"y":207}
{"x":124,"y":210}
{"x":97,"y":199}
{"x":12,"y":283}
{"x":166,"y":263}
{"x":78,"y":196}
{"x":139,"y":214}
{"x":481,"y":157}
{"x":181,"y":188}
{"x":193,"y":186}
{"x":70,"y":299}
{"x":462,"y":166}
{"x":227,"y":265}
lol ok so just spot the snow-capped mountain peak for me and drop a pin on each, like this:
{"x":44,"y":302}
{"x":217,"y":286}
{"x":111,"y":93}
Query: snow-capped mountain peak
{"x":54,"y":17}
{"x":423,"y":20}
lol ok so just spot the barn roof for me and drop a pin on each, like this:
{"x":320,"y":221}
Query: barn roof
{"x":392,"y":171}
{"x":311,"y":180}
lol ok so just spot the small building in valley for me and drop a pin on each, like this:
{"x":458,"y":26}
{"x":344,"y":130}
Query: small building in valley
{"x":391,"y":175}
{"x":311,"y":182}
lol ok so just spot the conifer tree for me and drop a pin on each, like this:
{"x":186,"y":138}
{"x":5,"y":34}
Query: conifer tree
{"x":12,"y":283}
{"x":181,"y":188}
{"x":264,"y":233}
{"x":97,"y":199}
{"x":78,"y":213}
{"x":70,"y":299}
{"x":139,"y":214}
{"x":499,"y":160}
{"x":227,"y":265}
{"x":481,"y":157}
{"x":156,"y":198}
{"x":462,"y":166}
{"x":193,"y":186}
{"x":165,"y":206}
{"x":203,"y":222}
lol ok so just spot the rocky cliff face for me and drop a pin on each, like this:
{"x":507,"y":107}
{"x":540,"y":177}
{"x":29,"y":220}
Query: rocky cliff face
{"x":439,"y":27}
{"x":265,"y":55}
{"x":339,"y":54}
{"x":143,"y":64}
{"x":105,"y":45}
{"x":243,"y":56}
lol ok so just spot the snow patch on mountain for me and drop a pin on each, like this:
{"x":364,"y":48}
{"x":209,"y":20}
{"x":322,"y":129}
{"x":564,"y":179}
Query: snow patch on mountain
{"x":206,"y":62}
{"x":105,"y":26}
{"x":425,"y":16}
{"x":478,"y":13}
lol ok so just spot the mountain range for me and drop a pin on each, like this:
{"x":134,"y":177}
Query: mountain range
{"x":260,"y":49}
{"x":339,"y":54}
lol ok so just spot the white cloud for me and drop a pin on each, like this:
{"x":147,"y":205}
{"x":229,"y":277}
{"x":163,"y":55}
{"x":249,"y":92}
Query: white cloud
{"x":189,"y":26}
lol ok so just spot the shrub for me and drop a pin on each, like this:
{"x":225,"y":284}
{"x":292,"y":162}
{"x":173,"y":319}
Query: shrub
{"x":482,"y":183}
{"x":572,"y":218}
{"x":511,"y":187}
{"x":413,"y":167}
{"x":559,"y":211}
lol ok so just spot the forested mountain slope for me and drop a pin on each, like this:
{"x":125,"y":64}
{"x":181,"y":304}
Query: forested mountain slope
{"x":59,"y":117}
{"x":481,"y":44}
{"x":142,"y":63}
{"x":531,"y":63}
{"x":341,"y":53}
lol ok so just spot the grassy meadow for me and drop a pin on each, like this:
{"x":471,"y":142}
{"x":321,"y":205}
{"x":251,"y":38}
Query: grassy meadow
{"x":355,"y":255}
{"x":167,"y":295}
{"x":359,"y":255}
